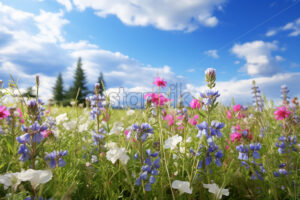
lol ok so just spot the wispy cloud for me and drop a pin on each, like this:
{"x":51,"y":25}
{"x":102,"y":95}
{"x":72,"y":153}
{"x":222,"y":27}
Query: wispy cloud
{"x":164,"y":14}
{"x":212,"y":53}
{"x":292,"y":27}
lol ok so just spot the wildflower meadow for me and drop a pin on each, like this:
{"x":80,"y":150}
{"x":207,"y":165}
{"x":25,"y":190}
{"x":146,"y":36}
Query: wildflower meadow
{"x":204,"y":150}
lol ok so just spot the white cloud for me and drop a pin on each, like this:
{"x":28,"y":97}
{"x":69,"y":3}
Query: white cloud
{"x":237,"y":62}
{"x":240,"y":90}
{"x":259,"y":60}
{"x":279,"y":58}
{"x":212,"y":53}
{"x":292,"y":27}
{"x":50,"y":25}
{"x":191,"y":70}
{"x":271,"y":33}
{"x":66,"y":3}
{"x":185,"y":15}
{"x":39,"y":46}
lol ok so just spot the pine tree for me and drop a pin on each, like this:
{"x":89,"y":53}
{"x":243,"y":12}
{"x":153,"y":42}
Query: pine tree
{"x":29,"y":93}
{"x":58,"y":90}
{"x":79,"y":83}
{"x":102,"y":83}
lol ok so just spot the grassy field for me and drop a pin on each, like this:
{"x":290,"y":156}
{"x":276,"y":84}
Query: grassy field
{"x":204,"y":151}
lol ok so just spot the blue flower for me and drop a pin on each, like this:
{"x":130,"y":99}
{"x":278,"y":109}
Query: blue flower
{"x":56,"y":159}
{"x":218,"y":156}
{"x":98,"y":137}
{"x":203,"y":129}
{"x":148,"y":187}
{"x":142,"y":131}
{"x":152,"y":179}
{"x":243,"y":152}
{"x":283,"y":171}
{"x":24,"y":138}
{"x":25,"y":153}
{"x":255,"y":147}
{"x":149,"y":168}
{"x":216,"y":128}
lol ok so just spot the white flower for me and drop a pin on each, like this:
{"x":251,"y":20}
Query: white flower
{"x":189,"y":139}
{"x":61,"y":118}
{"x":111,"y":145}
{"x":10,"y":179}
{"x":94,"y":159}
{"x":117,"y":153}
{"x":214,"y":188}
{"x":35,"y":177}
{"x":130,"y":112}
{"x":83,"y":127}
{"x":117,"y":128}
{"x":182,"y":186}
{"x":70,"y":125}
{"x":171,"y":142}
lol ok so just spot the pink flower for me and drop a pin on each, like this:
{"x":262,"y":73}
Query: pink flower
{"x":3,"y":112}
{"x":126,"y":132}
{"x":193,"y":120}
{"x":180,"y":117}
{"x":44,"y":133}
{"x":195,"y":104}
{"x":238,"y":127}
{"x":236,"y":136}
{"x":156,"y":98}
{"x":282,"y":113}
{"x":169,"y":118}
{"x":237,"y":107}
{"x":159,"y":82}
{"x":180,"y":126}
{"x":20,"y":115}
{"x":229,"y":115}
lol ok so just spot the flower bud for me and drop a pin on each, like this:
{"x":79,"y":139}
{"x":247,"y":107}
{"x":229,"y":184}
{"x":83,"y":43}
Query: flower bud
{"x":37,"y":80}
{"x":210,"y":77}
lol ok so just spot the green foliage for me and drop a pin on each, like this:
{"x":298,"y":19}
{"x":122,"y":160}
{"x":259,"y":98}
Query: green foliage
{"x":79,"y":85}
{"x":58,"y":90}
{"x":29,"y":93}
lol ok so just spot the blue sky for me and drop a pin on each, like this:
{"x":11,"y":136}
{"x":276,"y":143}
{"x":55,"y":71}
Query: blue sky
{"x":131,"y":41}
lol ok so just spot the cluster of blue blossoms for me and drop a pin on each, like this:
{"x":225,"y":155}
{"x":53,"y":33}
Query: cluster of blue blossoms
{"x":142,"y":131}
{"x":285,"y":145}
{"x":245,"y":153}
{"x":36,"y":109}
{"x":150,"y":168}
{"x":32,"y":134}
{"x":97,"y":104}
{"x":56,"y":159}
{"x":212,"y":148}
{"x":209,"y":96}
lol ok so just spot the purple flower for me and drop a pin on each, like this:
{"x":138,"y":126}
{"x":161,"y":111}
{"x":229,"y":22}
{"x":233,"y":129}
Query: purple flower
{"x":243,"y":152}
{"x":142,"y":131}
{"x":255,"y":147}
{"x":56,"y":159}
{"x":216,"y":128}
{"x":24,"y":138}
{"x":203,"y":129}
{"x":25,"y":153}
{"x":218,"y":156}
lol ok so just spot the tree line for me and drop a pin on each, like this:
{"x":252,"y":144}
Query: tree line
{"x":78,"y":89}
